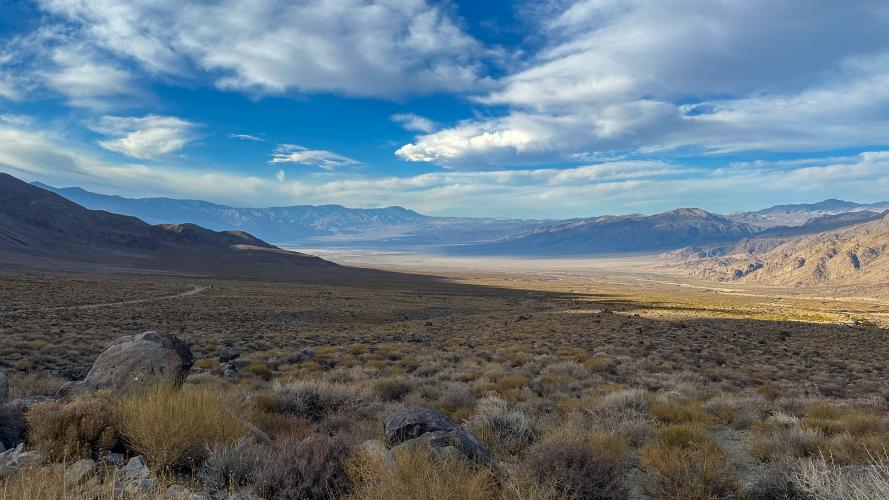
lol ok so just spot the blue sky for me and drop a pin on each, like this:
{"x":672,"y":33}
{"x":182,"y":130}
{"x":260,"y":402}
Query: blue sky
{"x":552,"y":108}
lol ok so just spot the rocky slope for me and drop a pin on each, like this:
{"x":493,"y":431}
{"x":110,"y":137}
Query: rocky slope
{"x":853,"y":255}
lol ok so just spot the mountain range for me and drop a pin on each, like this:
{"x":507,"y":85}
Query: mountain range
{"x":833,"y":241}
{"x":39,"y":229}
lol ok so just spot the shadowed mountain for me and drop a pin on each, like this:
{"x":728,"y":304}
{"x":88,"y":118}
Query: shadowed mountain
{"x":628,"y":233}
{"x":41,"y":229}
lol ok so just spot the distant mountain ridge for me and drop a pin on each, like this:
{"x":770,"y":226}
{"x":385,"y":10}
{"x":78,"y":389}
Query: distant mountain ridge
{"x":39,"y":228}
{"x":304,"y":224}
{"x":628,"y":233}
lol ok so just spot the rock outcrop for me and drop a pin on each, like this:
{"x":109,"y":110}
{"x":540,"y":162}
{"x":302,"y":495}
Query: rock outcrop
{"x":433,"y":430}
{"x":140,"y":361}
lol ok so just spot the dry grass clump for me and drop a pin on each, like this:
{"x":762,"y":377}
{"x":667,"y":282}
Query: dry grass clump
{"x":315,"y":399}
{"x":684,"y":411}
{"x":418,"y":473}
{"x":820,"y":479}
{"x":77,"y":429}
{"x":501,"y":425}
{"x":173,"y":428}
{"x":580,"y":464}
{"x":684,"y":461}
{"x":623,"y":413}
{"x":393,"y":388}
{"x":34,"y":384}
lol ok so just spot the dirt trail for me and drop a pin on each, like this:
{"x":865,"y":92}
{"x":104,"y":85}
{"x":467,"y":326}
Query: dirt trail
{"x":187,"y":293}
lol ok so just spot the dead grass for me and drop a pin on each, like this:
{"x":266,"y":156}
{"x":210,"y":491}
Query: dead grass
{"x":419,"y":474}
{"x":77,"y":429}
{"x":173,"y":428}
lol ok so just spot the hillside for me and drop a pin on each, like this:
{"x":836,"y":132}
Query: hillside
{"x":41,"y":229}
{"x":854,"y":255}
{"x":628,"y":233}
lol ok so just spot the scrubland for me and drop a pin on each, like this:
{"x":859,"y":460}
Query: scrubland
{"x":577,"y":395}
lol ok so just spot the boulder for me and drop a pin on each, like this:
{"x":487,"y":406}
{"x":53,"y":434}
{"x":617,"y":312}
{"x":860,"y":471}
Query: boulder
{"x":377,"y":448}
{"x":24,"y":404}
{"x":433,"y":430}
{"x":411,"y":423}
{"x":136,"y":469}
{"x":149,"y":358}
{"x":4,"y":387}
{"x":80,"y":471}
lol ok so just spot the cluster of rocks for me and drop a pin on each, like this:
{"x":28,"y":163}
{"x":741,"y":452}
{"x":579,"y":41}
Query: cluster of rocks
{"x":417,"y":427}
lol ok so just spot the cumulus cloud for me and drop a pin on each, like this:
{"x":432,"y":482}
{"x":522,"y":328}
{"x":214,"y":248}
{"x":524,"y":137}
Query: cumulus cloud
{"x":650,"y":75}
{"x":381,"y":48}
{"x":414,"y":123}
{"x":148,"y":137}
{"x":609,"y":187}
{"x":291,"y":153}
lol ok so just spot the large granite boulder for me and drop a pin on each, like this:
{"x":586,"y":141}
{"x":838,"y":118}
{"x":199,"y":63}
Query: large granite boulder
{"x":433,"y":430}
{"x":136,"y":362}
{"x":4,"y":387}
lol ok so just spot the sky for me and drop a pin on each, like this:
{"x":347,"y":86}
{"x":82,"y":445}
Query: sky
{"x":531,"y":109}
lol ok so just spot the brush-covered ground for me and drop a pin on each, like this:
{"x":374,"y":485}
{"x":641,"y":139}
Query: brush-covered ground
{"x":578,"y":392}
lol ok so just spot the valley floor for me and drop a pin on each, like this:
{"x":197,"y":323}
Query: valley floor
{"x":658,"y":386}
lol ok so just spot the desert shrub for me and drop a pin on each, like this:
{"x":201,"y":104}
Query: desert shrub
{"x":777,"y":442}
{"x":393,"y":389}
{"x":233,"y":465}
{"x":820,"y":479}
{"x":261,"y":370}
{"x":685,"y":462}
{"x":173,"y":428}
{"x":580,"y":465}
{"x":502,"y":426}
{"x":315,"y":399}
{"x":77,"y":429}
{"x":12,"y":426}
{"x":206,"y":363}
{"x":418,"y":474}
{"x":739,"y":412}
{"x":624,"y":413}
{"x":681,"y":412}
{"x":313,"y":467}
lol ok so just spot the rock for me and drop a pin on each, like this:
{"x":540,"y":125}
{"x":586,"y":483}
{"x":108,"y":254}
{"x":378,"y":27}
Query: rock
{"x":31,"y":458}
{"x":227,"y":354}
{"x":9,"y":458}
{"x":411,"y":423}
{"x":179,"y":492}
{"x":136,"y":469}
{"x":24,"y":404}
{"x":432,"y":429}
{"x":4,"y":387}
{"x":136,"y":362}
{"x":80,"y":471}
{"x":377,"y":448}
{"x":115,"y":459}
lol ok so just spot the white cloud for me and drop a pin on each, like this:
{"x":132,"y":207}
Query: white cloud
{"x":613,"y":77}
{"x":382,"y":48}
{"x":291,"y":153}
{"x":610,"y":187}
{"x":414,"y":123}
{"x":148,"y":137}
{"x":246,"y":137}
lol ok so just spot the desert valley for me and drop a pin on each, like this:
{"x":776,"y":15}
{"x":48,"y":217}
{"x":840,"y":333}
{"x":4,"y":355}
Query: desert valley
{"x":393,"y":373}
{"x":444,"y":250}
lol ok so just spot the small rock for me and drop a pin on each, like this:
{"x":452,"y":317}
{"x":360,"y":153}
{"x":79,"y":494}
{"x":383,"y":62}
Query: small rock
{"x":80,"y":471}
{"x":227,"y":354}
{"x":31,"y":458}
{"x":116,"y":459}
{"x":24,"y":404}
{"x":375,"y":447}
{"x":137,"y":470}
